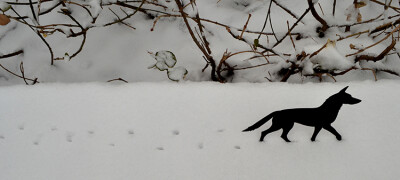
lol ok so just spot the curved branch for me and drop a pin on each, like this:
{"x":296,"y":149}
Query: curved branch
{"x":379,"y":57}
{"x":22,"y":77}
{"x":361,"y":50}
{"x":315,"y":14}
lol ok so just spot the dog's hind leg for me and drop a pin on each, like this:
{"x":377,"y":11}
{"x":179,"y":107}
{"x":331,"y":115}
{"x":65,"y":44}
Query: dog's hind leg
{"x":273,"y":128}
{"x":286,"y":130}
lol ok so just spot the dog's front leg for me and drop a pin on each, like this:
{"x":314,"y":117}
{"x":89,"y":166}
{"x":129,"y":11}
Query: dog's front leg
{"x":333,"y":131}
{"x":316,"y":131}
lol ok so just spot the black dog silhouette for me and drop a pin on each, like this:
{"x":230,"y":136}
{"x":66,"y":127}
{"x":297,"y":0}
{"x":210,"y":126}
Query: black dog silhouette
{"x":320,"y":117}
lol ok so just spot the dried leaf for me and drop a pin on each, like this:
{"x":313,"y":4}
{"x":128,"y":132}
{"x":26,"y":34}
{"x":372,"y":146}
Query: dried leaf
{"x":352,"y":46}
{"x":360,"y":4}
{"x":255,"y":43}
{"x":165,"y":60}
{"x":4,"y":20}
{"x":348,"y":17}
{"x":177,"y":73}
{"x":359,"y":17}
{"x":331,"y":43}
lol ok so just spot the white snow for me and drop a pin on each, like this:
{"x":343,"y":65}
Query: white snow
{"x":188,"y":130}
{"x":95,"y":6}
{"x":328,"y":58}
{"x":4,"y":6}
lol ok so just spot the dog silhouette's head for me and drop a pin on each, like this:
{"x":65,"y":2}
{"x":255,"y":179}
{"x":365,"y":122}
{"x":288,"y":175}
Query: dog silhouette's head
{"x":346,"y":98}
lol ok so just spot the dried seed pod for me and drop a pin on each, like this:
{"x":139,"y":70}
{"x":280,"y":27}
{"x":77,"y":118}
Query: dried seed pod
{"x":4,"y":20}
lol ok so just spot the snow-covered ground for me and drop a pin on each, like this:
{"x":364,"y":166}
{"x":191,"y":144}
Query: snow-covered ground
{"x":192,"y":131}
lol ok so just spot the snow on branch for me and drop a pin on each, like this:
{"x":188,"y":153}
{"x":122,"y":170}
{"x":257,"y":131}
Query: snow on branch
{"x":317,"y":44}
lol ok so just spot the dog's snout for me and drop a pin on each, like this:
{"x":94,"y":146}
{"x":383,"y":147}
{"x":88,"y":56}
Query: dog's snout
{"x":355,"y":101}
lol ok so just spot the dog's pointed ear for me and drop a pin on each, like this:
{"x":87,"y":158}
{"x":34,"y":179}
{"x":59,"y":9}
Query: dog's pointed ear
{"x":344,"y":89}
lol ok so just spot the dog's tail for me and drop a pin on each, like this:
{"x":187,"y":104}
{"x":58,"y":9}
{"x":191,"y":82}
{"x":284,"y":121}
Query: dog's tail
{"x":260,"y":122}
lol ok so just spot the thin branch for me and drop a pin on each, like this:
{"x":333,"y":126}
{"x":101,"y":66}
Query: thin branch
{"x":387,"y":36}
{"x":12,"y":54}
{"x":41,"y":13}
{"x":355,"y":34}
{"x":334,"y":8}
{"x":202,"y":49}
{"x":317,"y":17}
{"x":379,"y":57}
{"x":203,"y":37}
{"x":390,"y":72}
{"x":385,"y":26}
{"x":245,"y":26}
{"x":291,"y":29}
{"x":290,"y":35}
{"x":319,"y":50}
{"x":127,"y":17}
{"x":250,"y":67}
{"x":21,"y":68}
{"x":266,"y":19}
{"x":319,"y":4}
{"x":383,"y":4}
{"x":41,"y":37}
{"x":287,"y":10}
{"x":80,"y":47}
{"x":33,"y":11}
{"x":272,"y":27}
{"x":33,"y":80}
{"x":118,"y":79}
{"x":373,"y":72}
{"x":244,"y":40}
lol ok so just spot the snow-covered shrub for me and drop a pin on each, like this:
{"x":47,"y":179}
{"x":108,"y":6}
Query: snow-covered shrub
{"x":224,"y":40}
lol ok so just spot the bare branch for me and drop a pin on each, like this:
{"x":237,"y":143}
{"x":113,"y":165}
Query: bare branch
{"x":118,"y":79}
{"x":315,"y":14}
{"x":387,"y":36}
{"x":291,"y":29}
{"x":12,"y":54}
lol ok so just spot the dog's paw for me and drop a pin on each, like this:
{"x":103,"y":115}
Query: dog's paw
{"x":339,"y":138}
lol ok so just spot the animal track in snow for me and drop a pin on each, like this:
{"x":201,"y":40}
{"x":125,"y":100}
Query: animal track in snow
{"x":69,"y":136}
{"x":200,"y":146}
{"x":160,"y":148}
{"x":175,"y":132}
{"x":38,"y":138}
{"x":131,"y":132}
